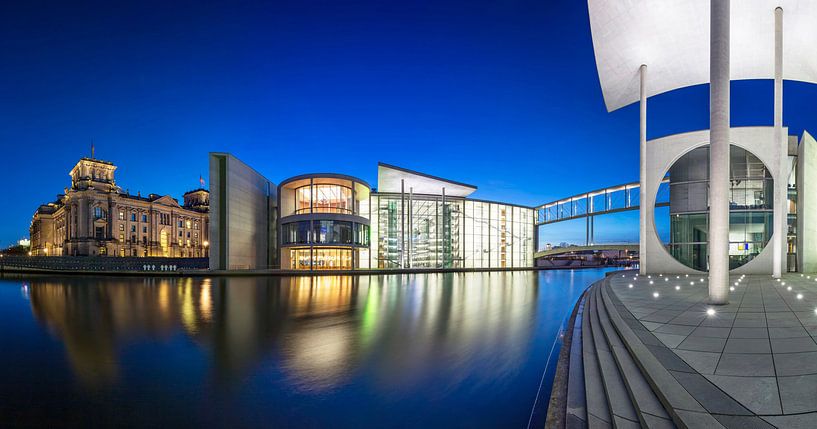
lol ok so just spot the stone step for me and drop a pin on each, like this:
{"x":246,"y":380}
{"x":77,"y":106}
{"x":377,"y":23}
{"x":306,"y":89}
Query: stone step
{"x":622,"y":411}
{"x":576,"y":403}
{"x":598,"y":412}
{"x":648,"y":407}
{"x":684,"y":410}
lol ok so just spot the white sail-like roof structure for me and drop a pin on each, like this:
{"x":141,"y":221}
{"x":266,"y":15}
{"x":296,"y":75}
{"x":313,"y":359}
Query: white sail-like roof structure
{"x":672,"y":38}
{"x":391,"y":178}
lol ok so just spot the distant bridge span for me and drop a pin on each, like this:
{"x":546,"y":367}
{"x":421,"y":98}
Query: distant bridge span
{"x":597,"y":247}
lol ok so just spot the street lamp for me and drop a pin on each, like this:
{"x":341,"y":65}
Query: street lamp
{"x":206,"y":244}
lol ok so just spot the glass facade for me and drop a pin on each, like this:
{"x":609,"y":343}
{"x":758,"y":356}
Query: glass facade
{"x":456,"y":233}
{"x":323,"y":198}
{"x":320,"y":258}
{"x":750,"y":219}
{"x":323,"y":232}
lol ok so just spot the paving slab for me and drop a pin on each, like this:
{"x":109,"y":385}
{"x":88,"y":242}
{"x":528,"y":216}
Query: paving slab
{"x":798,"y":393}
{"x":758,"y":394}
{"x":787,"y":364}
{"x":741,"y":364}
{"x":793,"y":345}
{"x":703,"y":362}
{"x":796,"y":421}
{"x":750,"y":363}
{"x":748,"y":345}
{"x":703,"y":344}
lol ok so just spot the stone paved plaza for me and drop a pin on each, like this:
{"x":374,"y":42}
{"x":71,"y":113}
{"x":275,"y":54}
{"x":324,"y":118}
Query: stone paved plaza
{"x":759,"y":350}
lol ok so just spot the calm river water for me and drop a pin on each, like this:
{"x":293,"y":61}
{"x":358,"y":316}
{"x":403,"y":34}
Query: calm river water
{"x":424,"y":350}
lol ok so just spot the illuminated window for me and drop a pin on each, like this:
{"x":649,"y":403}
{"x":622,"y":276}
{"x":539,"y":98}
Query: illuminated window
{"x":324,"y":259}
{"x":188,"y":224}
{"x":324,"y":198}
{"x":121,"y":226}
{"x":122,"y":217}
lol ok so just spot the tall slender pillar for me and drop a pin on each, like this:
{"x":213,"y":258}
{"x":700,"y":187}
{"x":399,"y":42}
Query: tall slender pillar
{"x":402,"y":223}
{"x":719,"y":81}
{"x":642,"y":191}
{"x":781,"y":182}
{"x":410,"y":225}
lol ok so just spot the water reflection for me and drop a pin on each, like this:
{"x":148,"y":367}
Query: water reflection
{"x":320,"y":331}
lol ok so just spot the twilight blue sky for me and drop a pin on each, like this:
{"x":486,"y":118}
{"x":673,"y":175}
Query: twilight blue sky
{"x":501,"y":94}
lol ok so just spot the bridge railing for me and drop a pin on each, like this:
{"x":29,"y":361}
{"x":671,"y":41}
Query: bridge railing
{"x":601,"y":201}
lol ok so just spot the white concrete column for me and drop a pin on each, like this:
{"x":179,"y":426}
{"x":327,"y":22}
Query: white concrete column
{"x":781,"y":182}
{"x":719,"y":82}
{"x":642,"y":192}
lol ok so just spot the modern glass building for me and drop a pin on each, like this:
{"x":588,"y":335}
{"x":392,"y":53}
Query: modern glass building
{"x":324,"y":222}
{"x":422,"y":221}
{"x":412,"y":220}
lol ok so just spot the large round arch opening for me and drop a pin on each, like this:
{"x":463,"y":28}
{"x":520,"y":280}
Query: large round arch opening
{"x":751,"y":205}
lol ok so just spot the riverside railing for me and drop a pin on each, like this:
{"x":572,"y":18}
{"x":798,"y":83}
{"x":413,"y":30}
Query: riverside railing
{"x":100,"y":263}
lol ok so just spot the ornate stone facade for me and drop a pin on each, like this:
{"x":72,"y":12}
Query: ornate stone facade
{"x":95,"y":217}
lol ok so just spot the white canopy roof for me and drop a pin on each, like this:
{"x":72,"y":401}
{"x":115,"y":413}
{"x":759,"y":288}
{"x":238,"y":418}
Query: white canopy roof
{"x":390,"y":178}
{"x":672,"y":38}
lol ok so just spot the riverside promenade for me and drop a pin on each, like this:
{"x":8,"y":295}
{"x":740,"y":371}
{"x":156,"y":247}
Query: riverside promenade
{"x":648,"y":351}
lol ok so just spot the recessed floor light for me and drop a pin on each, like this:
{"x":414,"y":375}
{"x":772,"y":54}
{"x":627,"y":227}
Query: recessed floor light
{"x":732,"y":288}
{"x":710,"y":311}
{"x":677,"y":287}
{"x":799,"y":296}
{"x":788,"y":288}
{"x":655,"y":294}
{"x":630,"y":285}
